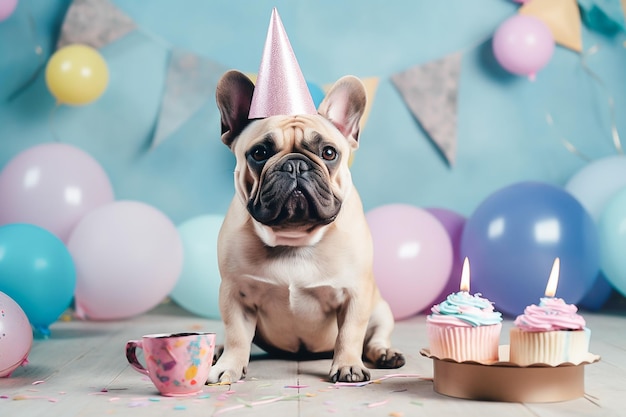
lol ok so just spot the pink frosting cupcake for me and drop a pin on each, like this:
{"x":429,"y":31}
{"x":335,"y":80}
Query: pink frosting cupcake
{"x":549,"y":333}
{"x":464,"y":327}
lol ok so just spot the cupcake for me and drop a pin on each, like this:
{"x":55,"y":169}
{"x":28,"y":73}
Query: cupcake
{"x":464,"y":327}
{"x":549,"y":333}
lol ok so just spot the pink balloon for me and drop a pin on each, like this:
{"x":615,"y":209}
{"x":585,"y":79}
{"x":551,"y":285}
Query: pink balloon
{"x":7,"y":7}
{"x":52,"y":186}
{"x":412,"y":257}
{"x":16,"y":336}
{"x":128,"y":257}
{"x":523,"y":45}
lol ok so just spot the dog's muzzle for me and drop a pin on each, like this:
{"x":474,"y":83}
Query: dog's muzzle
{"x":294,"y":192}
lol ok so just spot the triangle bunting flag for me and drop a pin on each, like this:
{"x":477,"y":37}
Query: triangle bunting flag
{"x":561,"y":16}
{"x":95,"y":23}
{"x":431,"y":93}
{"x":190,"y":82}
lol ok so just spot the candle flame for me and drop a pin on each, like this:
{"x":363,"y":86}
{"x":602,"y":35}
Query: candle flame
{"x":553,"y":281}
{"x":465,"y":276}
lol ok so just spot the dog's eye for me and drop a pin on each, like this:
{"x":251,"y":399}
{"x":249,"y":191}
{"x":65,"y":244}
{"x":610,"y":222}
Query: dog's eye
{"x":329,"y":153}
{"x":260,"y":153}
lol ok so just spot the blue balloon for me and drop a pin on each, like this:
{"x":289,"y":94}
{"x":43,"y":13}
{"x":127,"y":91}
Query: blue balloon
{"x":613,"y":240}
{"x":514,"y":236}
{"x":197,"y":288}
{"x":37,"y":271}
{"x":317,"y":94}
{"x":598,"y":295}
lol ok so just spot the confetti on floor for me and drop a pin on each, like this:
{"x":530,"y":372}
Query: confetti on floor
{"x":377,"y":380}
{"x":377,"y":404}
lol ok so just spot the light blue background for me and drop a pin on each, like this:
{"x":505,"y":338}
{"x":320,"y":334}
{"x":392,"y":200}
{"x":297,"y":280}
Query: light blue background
{"x":503,"y":137}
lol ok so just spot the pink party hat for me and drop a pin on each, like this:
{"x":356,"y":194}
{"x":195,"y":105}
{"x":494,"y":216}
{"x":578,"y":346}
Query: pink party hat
{"x":280,"y":87}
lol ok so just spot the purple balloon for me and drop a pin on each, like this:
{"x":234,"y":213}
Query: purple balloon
{"x":52,"y":186}
{"x":6,"y":8}
{"x":514,"y":235}
{"x":453,"y":223}
{"x":523,"y":45}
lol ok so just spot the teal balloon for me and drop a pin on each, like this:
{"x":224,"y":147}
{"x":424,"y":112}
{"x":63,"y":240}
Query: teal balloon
{"x":197,"y":288}
{"x":317,"y":94}
{"x":612,"y":233}
{"x":37,"y":271}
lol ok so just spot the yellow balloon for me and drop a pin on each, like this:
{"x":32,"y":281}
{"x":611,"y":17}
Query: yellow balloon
{"x":77,"y":74}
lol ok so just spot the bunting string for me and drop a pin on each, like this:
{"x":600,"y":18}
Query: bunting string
{"x":614,"y":132}
{"x":568,"y":145}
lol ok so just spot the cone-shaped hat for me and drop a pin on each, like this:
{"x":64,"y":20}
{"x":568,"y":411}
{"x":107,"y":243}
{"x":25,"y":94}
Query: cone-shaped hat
{"x":280,"y":87}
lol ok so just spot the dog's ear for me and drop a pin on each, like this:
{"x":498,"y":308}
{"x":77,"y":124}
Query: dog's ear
{"x":233,"y":95}
{"x":344,"y":106}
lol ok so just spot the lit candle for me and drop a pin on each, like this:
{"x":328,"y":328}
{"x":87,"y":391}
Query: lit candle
{"x":553,"y":281}
{"x":465,"y":276}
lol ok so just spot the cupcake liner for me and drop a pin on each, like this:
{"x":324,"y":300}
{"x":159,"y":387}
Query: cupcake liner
{"x":478,"y":344}
{"x":552,"y":348}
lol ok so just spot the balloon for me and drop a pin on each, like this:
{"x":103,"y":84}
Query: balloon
{"x":16,"y":336}
{"x":593,"y":186}
{"x":317,"y":94}
{"x":598,"y":295}
{"x":412,"y":257}
{"x":597,"y":182}
{"x":76,"y":74}
{"x":513,"y":237}
{"x":128,"y":257}
{"x":53,"y":186}
{"x":7,"y":7}
{"x":613,"y":240}
{"x":197,"y":289}
{"x":453,"y":223}
{"x":37,"y":271}
{"x":523,"y":45}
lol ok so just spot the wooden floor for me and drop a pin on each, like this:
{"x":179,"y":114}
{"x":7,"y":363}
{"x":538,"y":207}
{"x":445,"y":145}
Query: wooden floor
{"x":81,"y":371}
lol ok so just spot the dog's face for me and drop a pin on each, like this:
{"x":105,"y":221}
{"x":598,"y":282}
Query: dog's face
{"x":292,"y":171}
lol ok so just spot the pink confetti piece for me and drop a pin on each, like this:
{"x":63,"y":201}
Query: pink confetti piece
{"x":296,"y":386}
{"x":38,"y":382}
{"x":113,"y":399}
{"x":378,"y":404}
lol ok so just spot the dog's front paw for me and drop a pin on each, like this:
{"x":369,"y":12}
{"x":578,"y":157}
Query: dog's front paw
{"x":226,"y":373}
{"x":390,"y":359}
{"x":349,"y":373}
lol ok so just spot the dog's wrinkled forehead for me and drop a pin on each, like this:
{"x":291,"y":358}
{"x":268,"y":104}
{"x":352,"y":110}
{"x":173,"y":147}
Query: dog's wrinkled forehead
{"x":300,"y":134}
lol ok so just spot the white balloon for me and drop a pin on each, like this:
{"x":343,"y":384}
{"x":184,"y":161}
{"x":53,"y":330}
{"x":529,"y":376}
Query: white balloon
{"x":128,"y":257}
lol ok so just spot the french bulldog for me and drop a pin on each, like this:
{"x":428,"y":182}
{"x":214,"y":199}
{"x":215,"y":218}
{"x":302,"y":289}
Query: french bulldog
{"x":295,"y":252}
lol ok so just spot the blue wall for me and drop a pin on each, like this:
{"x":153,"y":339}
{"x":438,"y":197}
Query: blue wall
{"x":503,"y":136}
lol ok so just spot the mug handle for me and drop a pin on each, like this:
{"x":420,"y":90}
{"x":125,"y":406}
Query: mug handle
{"x":131,"y":356}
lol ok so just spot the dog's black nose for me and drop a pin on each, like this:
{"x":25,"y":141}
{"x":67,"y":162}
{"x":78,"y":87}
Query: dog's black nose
{"x":295,"y":166}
